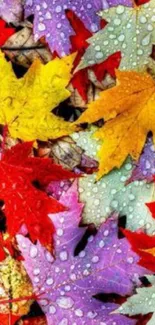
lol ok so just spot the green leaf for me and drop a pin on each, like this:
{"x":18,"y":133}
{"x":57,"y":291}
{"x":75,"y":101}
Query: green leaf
{"x":143,"y":302}
{"x":129,"y":30}
{"x":111,"y":194}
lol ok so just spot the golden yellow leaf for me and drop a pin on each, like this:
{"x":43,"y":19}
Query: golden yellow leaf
{"x":26,"y":103}
{"x":129,"y":109}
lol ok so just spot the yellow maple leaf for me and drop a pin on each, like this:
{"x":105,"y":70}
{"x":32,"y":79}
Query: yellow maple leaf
{"x":26,"y":103}
{"x":129,"y":112}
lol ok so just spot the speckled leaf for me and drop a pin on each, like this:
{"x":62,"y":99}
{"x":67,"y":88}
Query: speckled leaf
{"x":14,"y":284}
{"x":11,"y":10}
{"x":145,"y":168}
{"x":50,"y":19}
{"x":110,"y":193}
{"x":68,"y":283}
{"x":143,"y":302}
{"x":129,"y":30}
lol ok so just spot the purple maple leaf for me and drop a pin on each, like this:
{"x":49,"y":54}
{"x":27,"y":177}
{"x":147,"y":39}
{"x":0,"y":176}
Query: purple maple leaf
{"x":50,"y":19}
{"x":68,"y":283}
{"x":145,"y":168}
{"x":11,"y":10}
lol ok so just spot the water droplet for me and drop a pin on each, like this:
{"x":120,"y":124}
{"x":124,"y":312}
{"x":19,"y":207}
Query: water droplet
{"x":79,"y":312}
{"x":95,"y":259}
{"x":63,"y":256}
{"x":120,"y":10}
{"x":117,"y":21}
{"x":49,"y":281}
{"x":52,"y":310}
{"x":65,"y":302}
{"x":33,"y":251}
{"x":41,"y":27}
{"x":101,"y":243}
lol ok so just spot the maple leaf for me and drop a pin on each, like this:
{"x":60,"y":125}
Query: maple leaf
{"x":100,"y":266}
{"x":130,"y":31}
{"x":29,"y":117}
{"x":5,"y":32}
{"x":129,"y":107}
{"x":142,"y":302}
{"x":145,"y":167}
{"x":56,"y":28}
{"x":144,"y":246}
{"x":111,"y":193}
{"x":24,"y":203}
{"x":10,"y":319}
{"x":80,"y":79}
{"x":11,"y":10}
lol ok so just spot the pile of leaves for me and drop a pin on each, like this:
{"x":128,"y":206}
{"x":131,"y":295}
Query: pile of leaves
{"x":77,"y":162}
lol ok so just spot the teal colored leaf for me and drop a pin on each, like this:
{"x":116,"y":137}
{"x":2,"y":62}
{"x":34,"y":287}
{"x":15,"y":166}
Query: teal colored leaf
{"x":143,"y":302}
{"x":111,"y":193}
{"x":130,"y":31}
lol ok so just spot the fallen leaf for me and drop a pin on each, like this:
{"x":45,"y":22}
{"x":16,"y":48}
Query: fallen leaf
{"x":11,"y":10}
{"x":130,"y":31}
{"x":111,"y":193}
{"x":68,"y":154}
{"x":129,"y":108}
{"x":22,"y":49}
{"x":144,"y":246}
{"x":141,"y":303}
{"x":24,"y":203}
{"x":98,"y":267}
{"x":28,"y":116}
{"x":5,"y":32}
{"x":15,"y":287}
{"x":81,"y":80}
{"x":145,"y":167}
{"x":10,"y":319}
{"x":56,"y":28}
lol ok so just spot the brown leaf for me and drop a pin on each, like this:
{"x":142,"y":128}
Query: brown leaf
{"x":22,"y":49}
{"x":64,"y":152}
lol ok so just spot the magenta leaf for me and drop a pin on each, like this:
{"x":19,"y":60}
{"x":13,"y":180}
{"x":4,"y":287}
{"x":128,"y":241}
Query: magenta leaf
{"x":145,"y":168}
{"x":67,"y":283}
{"x":51,"y":22}
{"x":11,"y":10}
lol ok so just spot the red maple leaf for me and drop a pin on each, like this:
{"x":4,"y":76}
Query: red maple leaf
{"x":24,"y":204}
{"x":142,"y":244}
{"x":5,"y":32}
{"x":79,"y":43}
{"x":2,"y":251}
{"x":10,"y":319}
{"x":141,"y":2}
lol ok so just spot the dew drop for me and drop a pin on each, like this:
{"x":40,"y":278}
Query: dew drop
{"x":33,"y":251}
{"x":65,"y":302}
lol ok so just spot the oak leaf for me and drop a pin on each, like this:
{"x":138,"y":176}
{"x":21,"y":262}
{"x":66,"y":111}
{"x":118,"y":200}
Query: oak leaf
{"x":26,"y":103}
{"x":128,"y":110}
